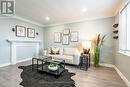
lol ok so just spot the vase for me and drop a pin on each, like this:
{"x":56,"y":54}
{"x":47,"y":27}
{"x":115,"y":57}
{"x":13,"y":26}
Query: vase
{"x":96,"y":56}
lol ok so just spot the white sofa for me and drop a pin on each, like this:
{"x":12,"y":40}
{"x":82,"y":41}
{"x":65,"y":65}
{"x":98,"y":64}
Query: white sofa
{"x":70,"y":55}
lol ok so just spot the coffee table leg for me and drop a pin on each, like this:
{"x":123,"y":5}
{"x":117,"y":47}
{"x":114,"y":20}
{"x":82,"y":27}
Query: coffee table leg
{"x":87,"y":63}
{"x":37,"y":65}
{"x":42,"y":65}
{"x":32,"y":64}
{"x":64,"y":64}
{"x":89,"y":60}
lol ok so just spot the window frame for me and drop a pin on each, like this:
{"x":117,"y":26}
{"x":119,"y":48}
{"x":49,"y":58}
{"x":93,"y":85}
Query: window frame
{"x":124,"y":50}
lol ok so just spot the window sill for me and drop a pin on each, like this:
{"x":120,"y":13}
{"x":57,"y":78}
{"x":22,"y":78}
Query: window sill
{"x":126,"y":53}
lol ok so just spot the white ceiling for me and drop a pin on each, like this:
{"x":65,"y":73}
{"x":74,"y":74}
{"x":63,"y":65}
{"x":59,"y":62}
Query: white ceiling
{"x":65,"y":11}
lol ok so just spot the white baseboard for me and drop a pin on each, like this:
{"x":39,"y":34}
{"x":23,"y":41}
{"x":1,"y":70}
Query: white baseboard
{"x":122,"y":76}
{"x":6,"y":64}
{"x":107,"y":65}
{"x":19,"y":61}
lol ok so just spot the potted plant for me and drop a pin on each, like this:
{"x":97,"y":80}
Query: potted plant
{"x":53,"y":66}
{"x":97,"y":43}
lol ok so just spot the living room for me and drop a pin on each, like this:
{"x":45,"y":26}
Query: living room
{"x":85,"y":41}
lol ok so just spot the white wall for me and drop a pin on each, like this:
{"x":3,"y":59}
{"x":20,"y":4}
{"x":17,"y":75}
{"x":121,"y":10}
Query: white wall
{"x":6,"y":25}
{"x":87,"y":30}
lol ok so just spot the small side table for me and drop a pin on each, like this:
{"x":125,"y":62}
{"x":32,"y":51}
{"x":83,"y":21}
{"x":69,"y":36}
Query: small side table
{"x":85,"y":61}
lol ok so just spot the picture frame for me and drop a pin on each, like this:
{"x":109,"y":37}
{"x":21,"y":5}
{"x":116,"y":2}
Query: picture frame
{"x":74,"y":36}
{"x":20,"y":31}
{"x":57,"y":37}
{"x":30,"y":33}
{"x":66,"y":31}
{"x":65,"y":40}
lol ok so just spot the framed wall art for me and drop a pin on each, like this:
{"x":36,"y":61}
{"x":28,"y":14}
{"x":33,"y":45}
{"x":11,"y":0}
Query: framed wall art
{"x":20,"y":31}
{"x":65,"y":40}
{"x":57,"y":37}
{"x":66,"y":31}
{"x":31,"y":32}
{"x":74,"y":36}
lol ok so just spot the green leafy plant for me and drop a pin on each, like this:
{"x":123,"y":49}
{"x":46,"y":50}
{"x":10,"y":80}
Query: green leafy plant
{"x":54,"y":65}
{"x":97,"y":42}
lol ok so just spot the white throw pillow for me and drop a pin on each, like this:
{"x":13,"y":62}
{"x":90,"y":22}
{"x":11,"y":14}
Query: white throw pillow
{"x":49,"y":50}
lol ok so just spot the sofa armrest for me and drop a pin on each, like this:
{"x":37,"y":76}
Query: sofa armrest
{"x":76,"y":58}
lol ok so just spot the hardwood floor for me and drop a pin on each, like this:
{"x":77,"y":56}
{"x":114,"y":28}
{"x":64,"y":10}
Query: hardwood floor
{"x":94,"y":77}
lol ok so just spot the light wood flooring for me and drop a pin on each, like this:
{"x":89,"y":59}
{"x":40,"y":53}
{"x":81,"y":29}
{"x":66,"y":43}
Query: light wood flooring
{"x":94,"y":77}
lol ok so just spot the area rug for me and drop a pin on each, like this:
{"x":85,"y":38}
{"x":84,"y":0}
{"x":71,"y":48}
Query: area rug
{"x":37,"y":79}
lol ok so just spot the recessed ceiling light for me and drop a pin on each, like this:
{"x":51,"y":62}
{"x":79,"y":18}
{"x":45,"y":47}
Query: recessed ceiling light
{"x":47,"y":18}
{"x":84,"y":9}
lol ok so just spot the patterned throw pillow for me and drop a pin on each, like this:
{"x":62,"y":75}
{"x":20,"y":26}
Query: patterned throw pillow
{"x":55,"y":51}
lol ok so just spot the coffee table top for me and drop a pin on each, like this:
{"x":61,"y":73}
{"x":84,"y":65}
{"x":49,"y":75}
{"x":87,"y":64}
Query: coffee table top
{"x":49,"y":59}
{"x":55,"y":60}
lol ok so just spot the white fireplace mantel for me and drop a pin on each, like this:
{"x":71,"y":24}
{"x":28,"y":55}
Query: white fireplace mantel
{"x":14,"y":44}
{"x":24,"y":41}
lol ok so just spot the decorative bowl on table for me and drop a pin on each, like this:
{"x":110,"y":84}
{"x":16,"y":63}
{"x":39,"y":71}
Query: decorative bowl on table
{"x":53,"y":67}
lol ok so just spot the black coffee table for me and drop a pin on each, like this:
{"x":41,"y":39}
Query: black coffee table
{"x":46,"y":61}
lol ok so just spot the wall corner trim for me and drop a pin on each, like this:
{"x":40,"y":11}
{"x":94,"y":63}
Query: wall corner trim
{"x":122,"y":76}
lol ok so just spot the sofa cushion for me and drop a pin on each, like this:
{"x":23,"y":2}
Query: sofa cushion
{"x":62,"y":56}
{"x":69,"y":51}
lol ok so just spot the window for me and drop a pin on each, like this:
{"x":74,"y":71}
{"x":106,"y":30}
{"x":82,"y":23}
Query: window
{"x":124,"y":35}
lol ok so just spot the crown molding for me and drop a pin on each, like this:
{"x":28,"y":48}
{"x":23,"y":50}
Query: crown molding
{"x":22,"y":19}
{"x":56,"y":24}
{"x":121,"y":6}
{"x":26,"y":20}
{"x":76,"y":21}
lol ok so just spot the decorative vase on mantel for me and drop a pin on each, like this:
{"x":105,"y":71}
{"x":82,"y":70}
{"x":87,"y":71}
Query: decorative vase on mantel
{"x":97,"y":42}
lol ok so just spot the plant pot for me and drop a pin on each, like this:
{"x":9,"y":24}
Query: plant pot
{"x":96,"y":65}
{"x":53,"y":68}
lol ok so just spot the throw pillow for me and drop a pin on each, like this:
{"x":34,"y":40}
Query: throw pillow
{"x":55,"y":51}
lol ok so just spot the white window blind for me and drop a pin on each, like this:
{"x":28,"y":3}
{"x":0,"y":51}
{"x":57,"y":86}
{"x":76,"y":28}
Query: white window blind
{"x":123,"y":30}
{"x":124,"y":35}
{"x":128,"y":27}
